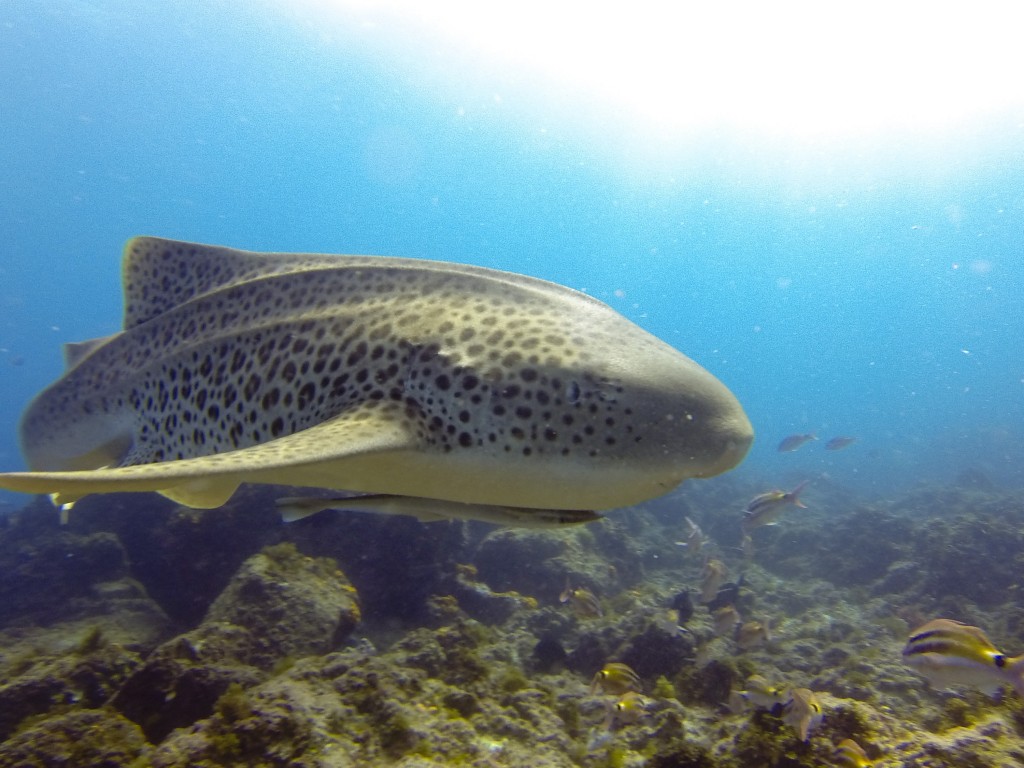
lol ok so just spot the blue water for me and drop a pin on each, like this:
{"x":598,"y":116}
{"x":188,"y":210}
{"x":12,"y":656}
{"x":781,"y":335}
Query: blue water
{"x":871,"y":287}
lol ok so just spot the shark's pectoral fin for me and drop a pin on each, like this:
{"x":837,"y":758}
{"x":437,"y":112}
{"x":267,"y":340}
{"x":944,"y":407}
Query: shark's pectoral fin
{"x":324,"y":455}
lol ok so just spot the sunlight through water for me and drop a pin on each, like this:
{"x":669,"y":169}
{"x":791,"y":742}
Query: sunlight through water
{"x":809,"y":69}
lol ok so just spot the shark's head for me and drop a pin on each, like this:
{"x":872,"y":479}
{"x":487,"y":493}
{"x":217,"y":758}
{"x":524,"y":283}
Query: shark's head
{"x":615,"y":400}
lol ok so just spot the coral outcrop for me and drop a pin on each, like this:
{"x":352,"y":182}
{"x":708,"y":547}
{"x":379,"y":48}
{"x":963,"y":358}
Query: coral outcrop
{"x":482,"y":643}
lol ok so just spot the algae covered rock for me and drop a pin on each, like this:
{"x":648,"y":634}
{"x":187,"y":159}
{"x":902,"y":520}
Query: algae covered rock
{"x":521,"y":559}
{"x":656,"y":652}
{"x":184,"y":557}
{"x":480,"y":602}
{"x":182,"y":680}
{"x":953,"y":548}
{"x":539,"y":562}
{"x":37,"y":683}
{"x":252,"y":728}
{"x":292,"y":605}
{"x":48,"y":571}
{"x":279,"y":605}
{"x":397,"y":564}
{"x":97,"y":738}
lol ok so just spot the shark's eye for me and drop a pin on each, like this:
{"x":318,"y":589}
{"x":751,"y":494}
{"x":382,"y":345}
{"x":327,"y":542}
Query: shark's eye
{"x":999,"y":660}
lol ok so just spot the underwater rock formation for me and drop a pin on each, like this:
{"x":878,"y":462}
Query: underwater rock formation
{"x":396,"y":564}
{"x":49,"y":571}
{"x":34,"y":683}
{"x":280,"y":605}
{"x":183,"y":557}
{"x":291,"y":604}
{"x":461,"y":670}
{"x":182,"y":680}
{"x":85,"y":738}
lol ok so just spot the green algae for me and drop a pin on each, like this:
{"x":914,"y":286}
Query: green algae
{"x":768,"y":742}
{"x":234,"y":704}
{"x":22,"y":662}
{"x":282,"y":665}
{"x":569,"y":712}
{"x":663,"y":688}
{"x":91,"y":642}
{"x":510,"y":679}
{"x":614,"y":757}
{"x":959,"y":712}
{"x":96,"y":737}
{"x":246,"y":731}
{"x":391,"y":728}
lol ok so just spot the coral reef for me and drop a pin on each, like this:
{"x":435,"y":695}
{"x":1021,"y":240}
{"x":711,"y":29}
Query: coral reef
{"x":183,"y":557}
{"x":460,"y":651}
{"x":291,"y":604}
{"x":98,"y":738}
{"x":35,"y":683}
{"x":280,"y":605}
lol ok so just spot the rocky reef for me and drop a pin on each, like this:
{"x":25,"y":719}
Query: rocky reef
{"x":145,"y":634}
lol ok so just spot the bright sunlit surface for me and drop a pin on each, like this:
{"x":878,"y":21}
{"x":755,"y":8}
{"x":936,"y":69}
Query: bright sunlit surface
{"x":804,"y":69}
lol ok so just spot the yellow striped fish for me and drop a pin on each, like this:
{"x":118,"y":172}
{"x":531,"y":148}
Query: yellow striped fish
{"x":616,"y":678}
{"x":765,"y":508}
{"x":850,"y":754}
{"x":948,"y":652}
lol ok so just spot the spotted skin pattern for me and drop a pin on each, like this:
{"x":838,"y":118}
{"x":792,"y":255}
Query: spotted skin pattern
{"x":225,"y":350}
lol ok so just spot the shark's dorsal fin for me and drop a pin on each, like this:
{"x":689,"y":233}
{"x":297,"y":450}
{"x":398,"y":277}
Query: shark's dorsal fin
{"x":162,"y":274}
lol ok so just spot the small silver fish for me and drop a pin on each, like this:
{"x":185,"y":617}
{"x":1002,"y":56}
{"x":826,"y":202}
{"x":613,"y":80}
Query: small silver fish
{"x":704,"y":654}
{"x":668,"y":622}
{"x":747,"y":546}
{"x":712,"y":577}
{"x":793,"y":442}
{"x":431,"y":510}
{"x":838,"y":443}
{"x":765,"y":508}
{"x":695,"y":538}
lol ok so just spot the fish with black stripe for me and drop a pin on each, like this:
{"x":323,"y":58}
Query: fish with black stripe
{"x":951,"y":653}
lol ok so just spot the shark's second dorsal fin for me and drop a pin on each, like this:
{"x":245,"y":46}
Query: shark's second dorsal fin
{"x":76,"y":351}
{"x":161,"y":274}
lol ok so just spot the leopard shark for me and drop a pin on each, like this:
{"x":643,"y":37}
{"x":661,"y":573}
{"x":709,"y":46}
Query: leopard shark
{"x":399,"y":377}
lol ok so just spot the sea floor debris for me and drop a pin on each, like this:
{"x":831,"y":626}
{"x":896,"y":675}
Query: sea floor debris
{"x":311,"y":654}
